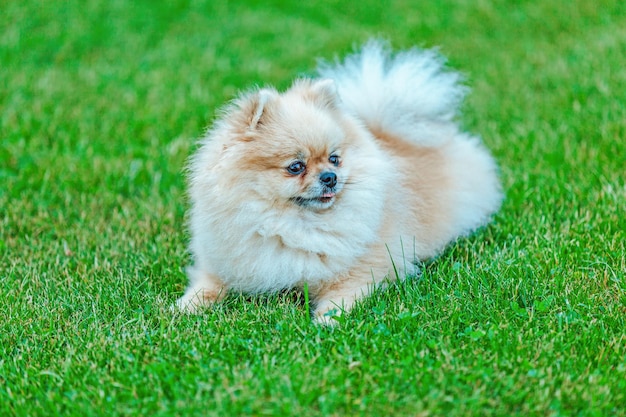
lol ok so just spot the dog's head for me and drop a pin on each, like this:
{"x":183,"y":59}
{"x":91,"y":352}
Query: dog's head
{"x":291,"y":148}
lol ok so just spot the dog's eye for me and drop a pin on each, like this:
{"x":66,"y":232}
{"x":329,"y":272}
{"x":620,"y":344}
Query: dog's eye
{"x":334,"y":159}
{"x":296,"y":168}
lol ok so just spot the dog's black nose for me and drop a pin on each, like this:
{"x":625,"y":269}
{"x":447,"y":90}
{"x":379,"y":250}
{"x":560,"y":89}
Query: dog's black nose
{"x":329,"y":179}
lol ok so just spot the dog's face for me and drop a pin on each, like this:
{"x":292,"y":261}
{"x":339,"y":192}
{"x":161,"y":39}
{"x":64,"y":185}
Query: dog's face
{"x":295,"y":150}
{"x":313,"y":177}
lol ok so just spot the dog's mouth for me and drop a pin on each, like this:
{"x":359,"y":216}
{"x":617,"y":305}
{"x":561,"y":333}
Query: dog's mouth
{"x":327,"y":197}
{"x":323,"y":201}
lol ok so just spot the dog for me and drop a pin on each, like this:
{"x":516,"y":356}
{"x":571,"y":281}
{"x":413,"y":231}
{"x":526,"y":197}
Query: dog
{"x":338,"y":184}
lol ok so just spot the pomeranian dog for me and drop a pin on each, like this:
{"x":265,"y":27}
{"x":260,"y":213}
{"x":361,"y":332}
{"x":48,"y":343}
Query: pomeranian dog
{"x":339,"y":183}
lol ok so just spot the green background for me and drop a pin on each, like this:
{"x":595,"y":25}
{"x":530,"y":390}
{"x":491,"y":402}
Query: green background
{"x":101,"y":102}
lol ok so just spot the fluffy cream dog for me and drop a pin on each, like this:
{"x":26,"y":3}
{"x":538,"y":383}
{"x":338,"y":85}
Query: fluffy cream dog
{"x":339,"y":182}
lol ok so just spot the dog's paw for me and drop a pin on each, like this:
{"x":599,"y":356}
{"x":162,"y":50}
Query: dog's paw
{"x":191,"y":303}
{"x":327,"y":314}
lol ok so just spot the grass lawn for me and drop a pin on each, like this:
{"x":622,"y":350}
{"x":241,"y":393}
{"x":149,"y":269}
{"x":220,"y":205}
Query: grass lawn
{"x":100,"y":105}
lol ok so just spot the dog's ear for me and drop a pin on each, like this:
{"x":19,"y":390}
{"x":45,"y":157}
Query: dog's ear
{"x":259,"y":107}
{"x":249,"y":111}
{"x":325,"y":92}
{"x":260,"y":102}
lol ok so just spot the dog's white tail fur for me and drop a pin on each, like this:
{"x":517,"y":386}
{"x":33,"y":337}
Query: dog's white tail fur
{"x":400,"y":94}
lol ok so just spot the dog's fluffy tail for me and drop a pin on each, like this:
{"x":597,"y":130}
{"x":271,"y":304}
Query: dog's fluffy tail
{"x":403,"y":94}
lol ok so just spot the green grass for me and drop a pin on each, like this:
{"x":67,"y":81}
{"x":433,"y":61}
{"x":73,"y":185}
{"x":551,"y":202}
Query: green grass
{"x":100,"y":105}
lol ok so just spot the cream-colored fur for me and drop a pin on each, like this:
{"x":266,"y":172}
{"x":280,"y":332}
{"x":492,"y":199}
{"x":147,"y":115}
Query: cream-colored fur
{"x":408,"y":182}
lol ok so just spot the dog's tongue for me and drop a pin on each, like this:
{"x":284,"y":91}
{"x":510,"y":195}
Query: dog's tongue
{"x":328,"y":195}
